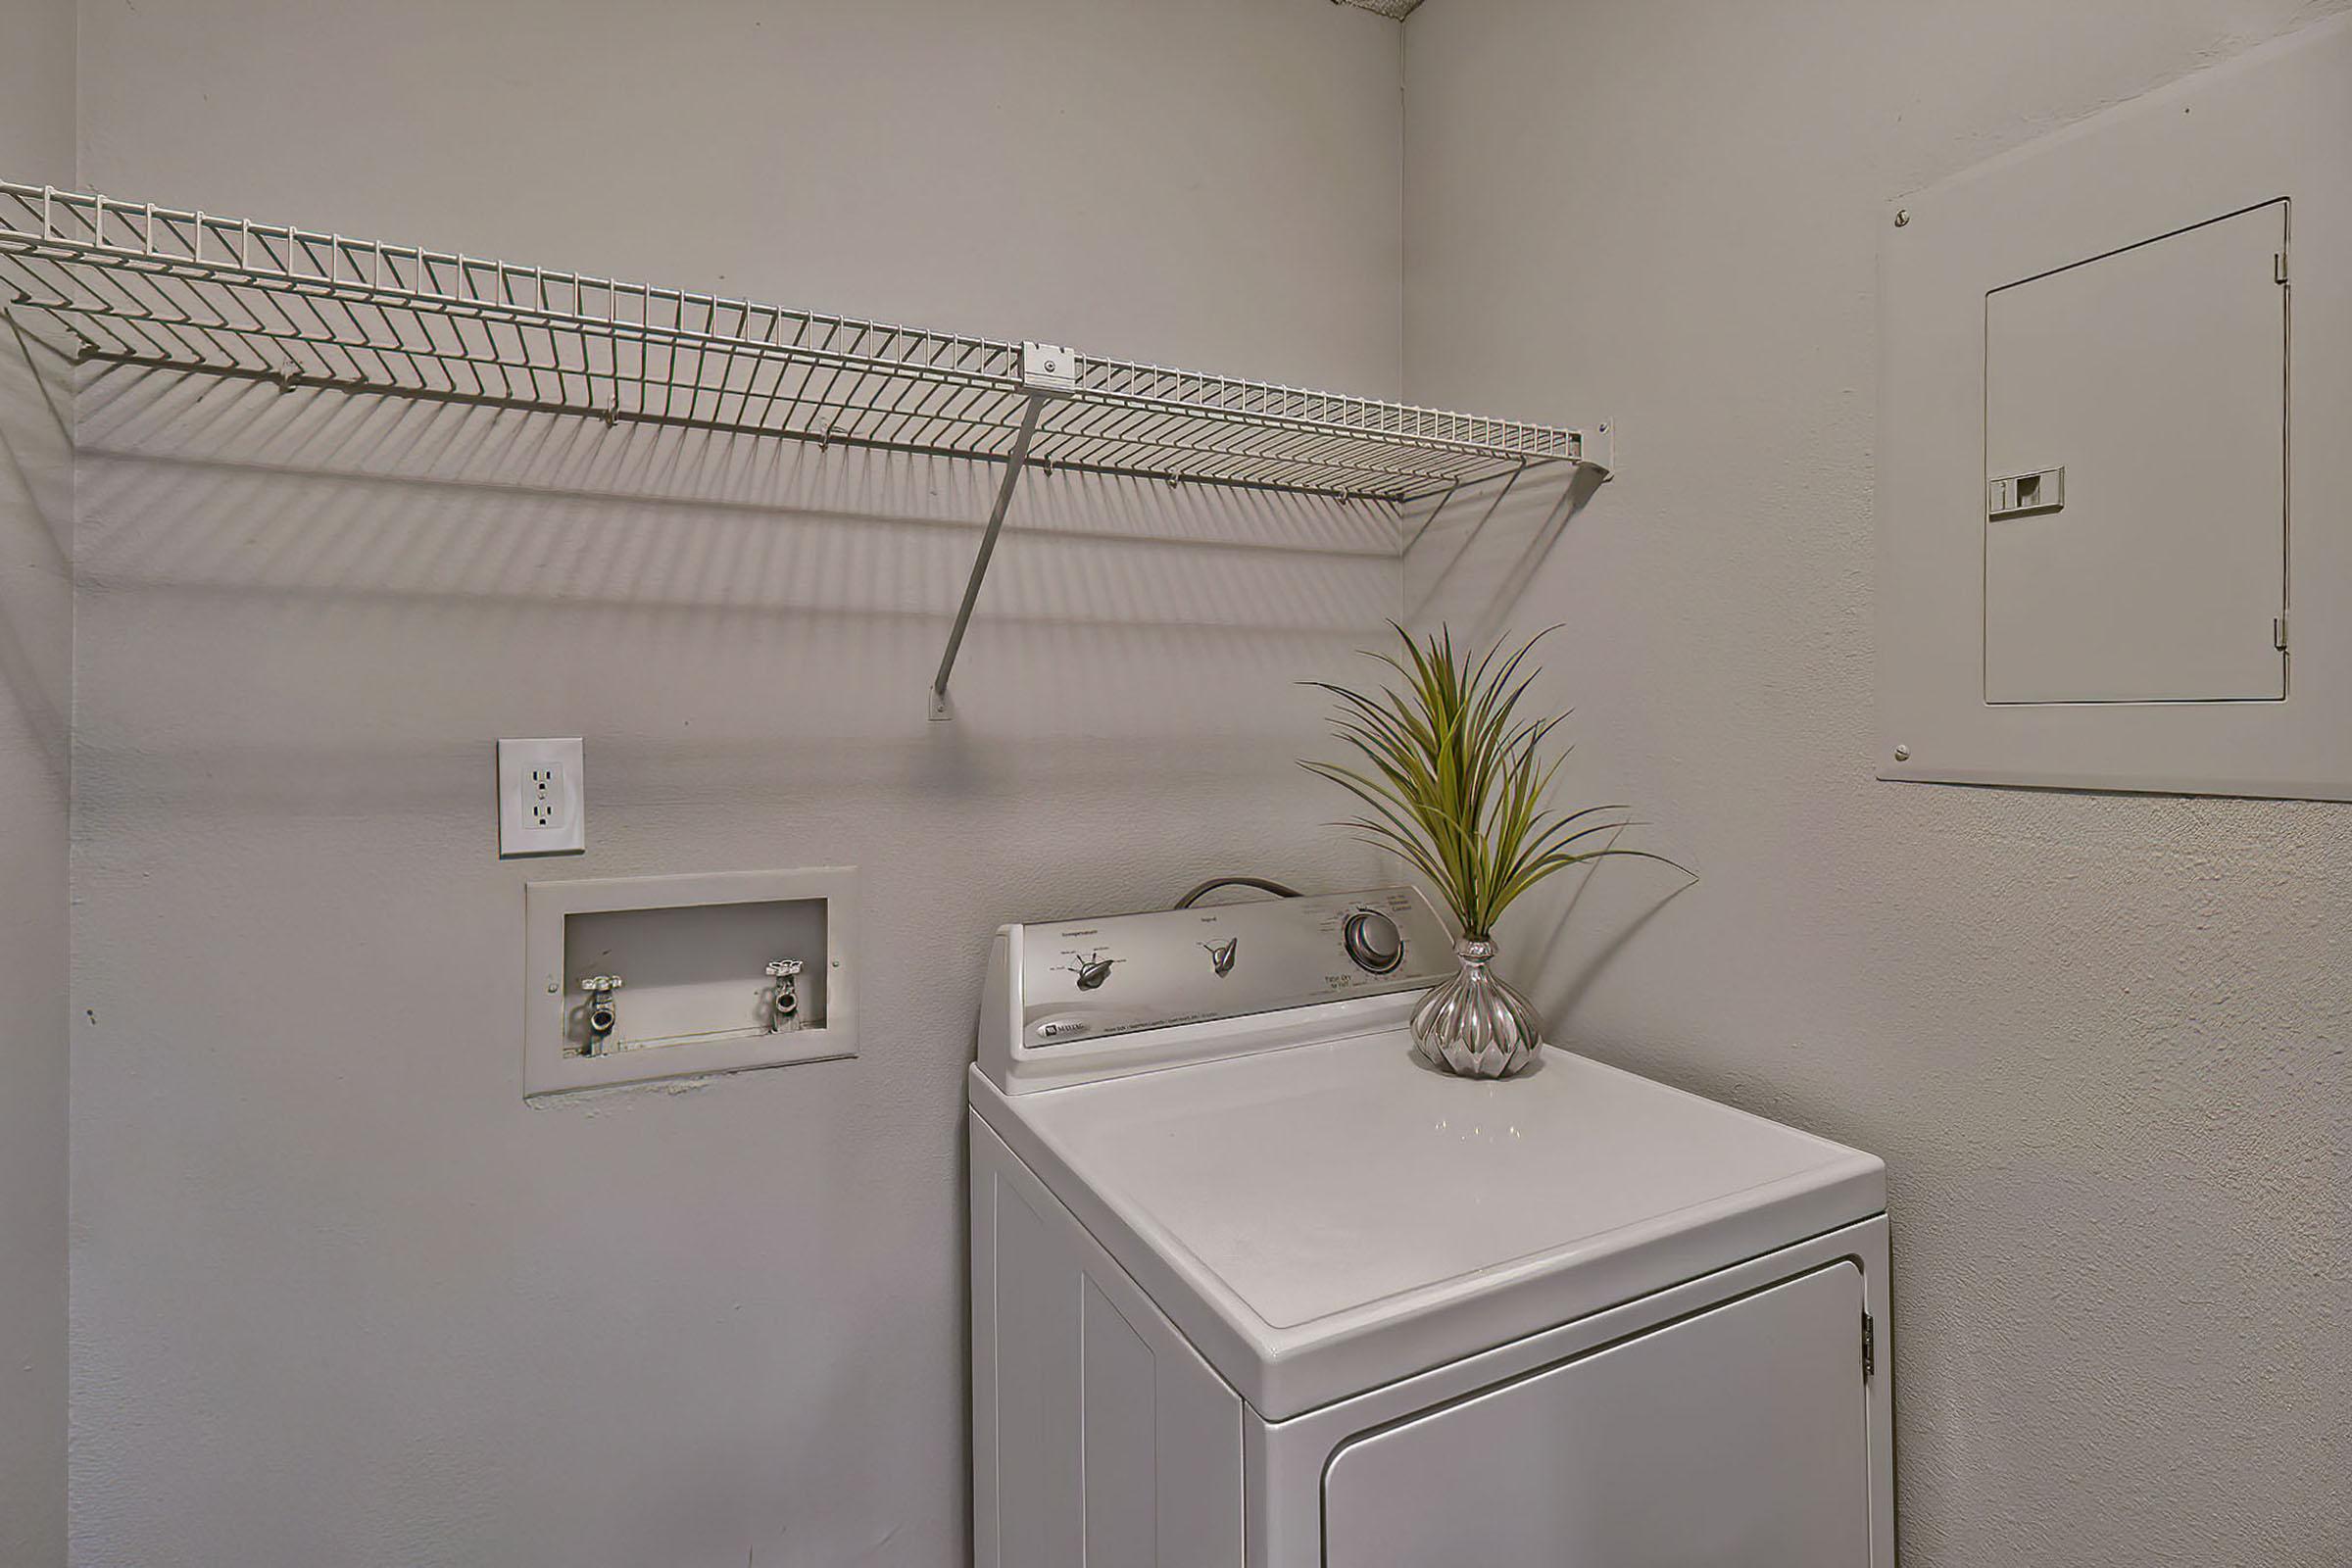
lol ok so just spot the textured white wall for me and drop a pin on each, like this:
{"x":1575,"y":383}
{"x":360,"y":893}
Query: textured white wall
{"x":37,"y":651}
{"x":2100,"y":1040}
{"x":342,"y":1298}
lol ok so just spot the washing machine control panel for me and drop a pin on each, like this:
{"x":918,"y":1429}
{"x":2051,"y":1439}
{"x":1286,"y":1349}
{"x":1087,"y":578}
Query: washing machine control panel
{"x":1114,"y":975}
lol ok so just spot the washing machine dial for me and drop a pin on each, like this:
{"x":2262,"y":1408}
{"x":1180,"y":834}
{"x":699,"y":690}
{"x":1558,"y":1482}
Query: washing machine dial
{"x":1092,"y":972}
{"x":1372,"y":941}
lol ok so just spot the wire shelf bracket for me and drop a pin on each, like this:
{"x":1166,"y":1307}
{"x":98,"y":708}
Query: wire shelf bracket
{"x":1046,"y":372}
{"x":118,"y":283}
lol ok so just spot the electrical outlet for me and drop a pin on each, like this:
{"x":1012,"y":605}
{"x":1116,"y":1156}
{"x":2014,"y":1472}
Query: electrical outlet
{"x":542,"y":798}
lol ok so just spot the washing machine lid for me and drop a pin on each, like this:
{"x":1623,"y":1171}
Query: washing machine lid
{"x":1328,"y":1218}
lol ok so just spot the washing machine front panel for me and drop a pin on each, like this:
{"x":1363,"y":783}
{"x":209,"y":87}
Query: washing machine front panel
{"x":1738,"y":1437}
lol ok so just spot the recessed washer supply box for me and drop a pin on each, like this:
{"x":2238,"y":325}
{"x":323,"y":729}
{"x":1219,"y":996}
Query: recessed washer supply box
{"x":636,"y":978}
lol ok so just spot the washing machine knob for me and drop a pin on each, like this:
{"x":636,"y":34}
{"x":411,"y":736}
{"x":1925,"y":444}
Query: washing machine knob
{"x":1092,"y":972}
{"x":1372,"y":941}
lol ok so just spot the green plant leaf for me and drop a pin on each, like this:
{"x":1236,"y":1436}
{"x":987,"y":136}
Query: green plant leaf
{"x":1454,"y":778}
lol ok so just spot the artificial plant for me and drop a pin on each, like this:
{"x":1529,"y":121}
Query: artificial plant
{"x":1457,"y":778}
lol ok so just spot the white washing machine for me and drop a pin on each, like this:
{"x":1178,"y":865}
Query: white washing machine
{"x":1251,"y":1285}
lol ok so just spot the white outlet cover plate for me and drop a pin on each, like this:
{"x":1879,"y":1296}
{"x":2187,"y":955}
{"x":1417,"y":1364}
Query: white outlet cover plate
{"x":542,"y":797}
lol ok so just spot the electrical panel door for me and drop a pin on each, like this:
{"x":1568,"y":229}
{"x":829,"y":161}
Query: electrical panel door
{"x":2134,"y":470}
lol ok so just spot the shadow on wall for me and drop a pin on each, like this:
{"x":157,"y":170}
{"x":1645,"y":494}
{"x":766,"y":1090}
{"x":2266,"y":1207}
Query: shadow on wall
{"x":1468,"y":557}
{"x":1114,"y":607}
{"x":1469,"y":552}
{"x":37,"y":475}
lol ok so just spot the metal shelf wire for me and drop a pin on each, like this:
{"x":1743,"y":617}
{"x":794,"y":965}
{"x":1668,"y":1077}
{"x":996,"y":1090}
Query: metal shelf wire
{"x":128,"y":283}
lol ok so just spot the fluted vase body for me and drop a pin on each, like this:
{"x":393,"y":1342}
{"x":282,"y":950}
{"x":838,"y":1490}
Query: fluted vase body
{"x":1476,"y":1024}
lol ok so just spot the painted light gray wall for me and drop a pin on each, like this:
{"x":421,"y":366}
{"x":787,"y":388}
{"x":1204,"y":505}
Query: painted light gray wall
{"x":2100,"y":1040}
{"x":37,"y":651}
{"x":342,"y":1297}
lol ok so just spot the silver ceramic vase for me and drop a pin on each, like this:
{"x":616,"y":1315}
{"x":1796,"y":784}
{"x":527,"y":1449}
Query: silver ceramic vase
{"x":1475,"y":1024}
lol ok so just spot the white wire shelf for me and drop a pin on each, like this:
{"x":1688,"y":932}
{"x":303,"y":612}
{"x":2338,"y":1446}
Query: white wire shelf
{"x":126,"y":284}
